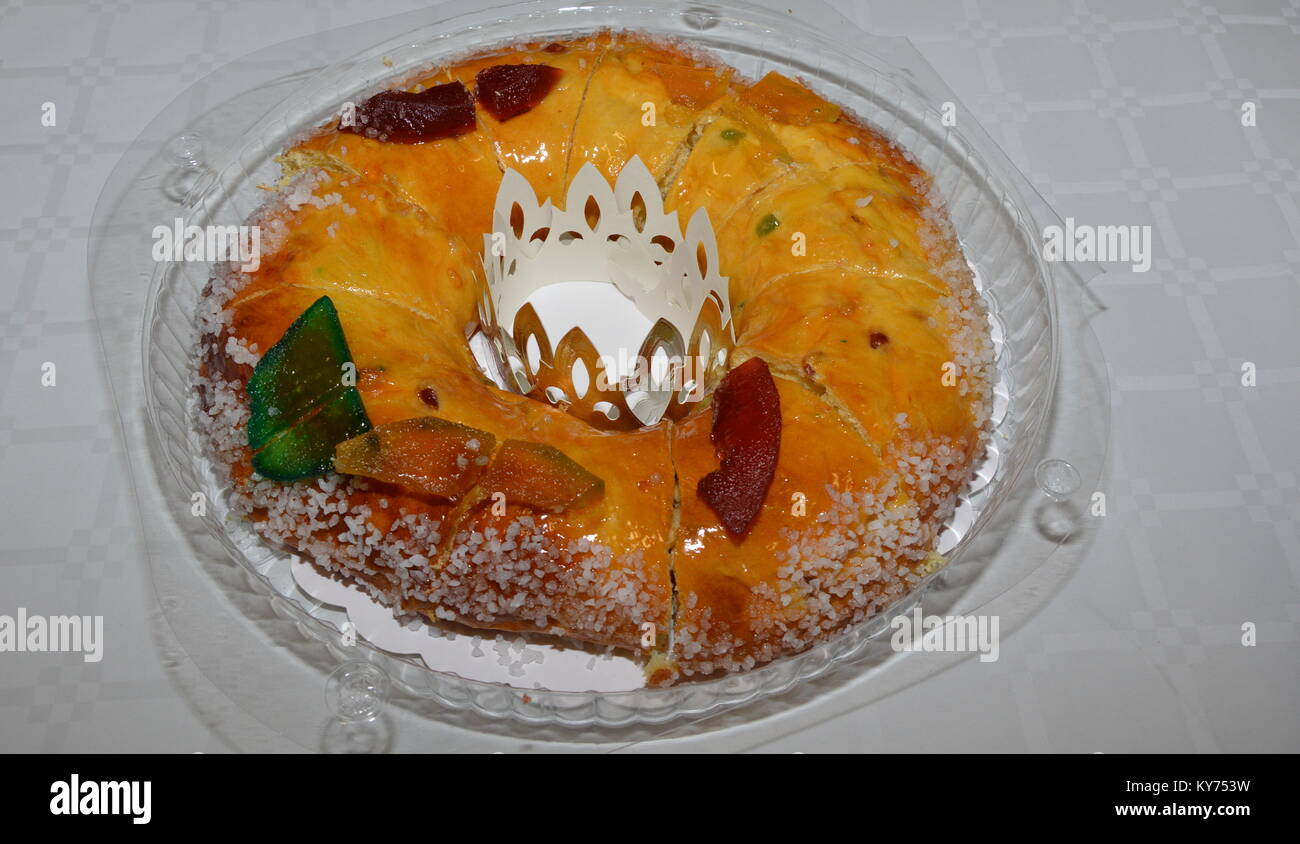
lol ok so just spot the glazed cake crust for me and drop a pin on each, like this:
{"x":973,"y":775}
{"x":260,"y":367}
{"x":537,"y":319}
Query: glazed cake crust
{"x":872,"y":328}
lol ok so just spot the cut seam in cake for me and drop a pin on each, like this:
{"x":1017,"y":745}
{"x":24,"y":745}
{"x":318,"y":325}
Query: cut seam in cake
{"x":582,"y":103}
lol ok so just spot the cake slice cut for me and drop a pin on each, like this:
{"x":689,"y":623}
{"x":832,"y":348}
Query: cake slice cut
{"x":642,"y":100}
{"x":833,"y":543}
{"x":599,"y":571}
{"x":536,"y":142}
{"x":454,"y":179}
{"x":734,"y":154}
{"x":847,"y":141}
{"x":338,"y":233}
{"x":907,"y":365}
{"x":854,"y":217}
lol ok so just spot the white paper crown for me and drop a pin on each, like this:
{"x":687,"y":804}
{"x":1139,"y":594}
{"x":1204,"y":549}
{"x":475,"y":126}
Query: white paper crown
{"x":617,"y":239}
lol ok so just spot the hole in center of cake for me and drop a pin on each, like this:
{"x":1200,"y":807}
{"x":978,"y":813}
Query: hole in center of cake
{"x":605,"y":307}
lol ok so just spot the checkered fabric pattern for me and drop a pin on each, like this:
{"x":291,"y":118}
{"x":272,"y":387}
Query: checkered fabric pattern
{"x":1119,"y":112}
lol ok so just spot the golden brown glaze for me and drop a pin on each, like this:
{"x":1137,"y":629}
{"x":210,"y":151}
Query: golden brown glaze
{"x":633,"y":107}
{"x":424,"y":174}
{"x":738,"y":600}
{"x":876,"y":344}
{"x":536,"y":143}
{"x":735,"y":154}
{"x":852,"y":217}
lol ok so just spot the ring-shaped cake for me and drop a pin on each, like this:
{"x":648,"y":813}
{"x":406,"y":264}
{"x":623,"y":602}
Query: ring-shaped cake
{"x":805,"y":494}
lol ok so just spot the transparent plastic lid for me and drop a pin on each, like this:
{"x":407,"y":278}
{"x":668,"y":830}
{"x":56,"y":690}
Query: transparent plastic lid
{"x":233,"y":604}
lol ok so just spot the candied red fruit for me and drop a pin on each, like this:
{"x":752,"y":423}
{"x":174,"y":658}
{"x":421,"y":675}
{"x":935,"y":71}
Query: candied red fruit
{"x":747,"y":435}
{"x":402,"y":117}
{"x":509,"y":90}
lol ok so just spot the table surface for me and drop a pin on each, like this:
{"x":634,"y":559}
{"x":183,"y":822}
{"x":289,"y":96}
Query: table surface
{"x":1118,"y":112}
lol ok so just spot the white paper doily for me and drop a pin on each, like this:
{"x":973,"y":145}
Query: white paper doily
{"x":489,"y":656}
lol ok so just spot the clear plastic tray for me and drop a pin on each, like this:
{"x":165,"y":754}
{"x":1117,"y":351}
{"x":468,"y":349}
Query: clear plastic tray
{"x":1000,"y":536}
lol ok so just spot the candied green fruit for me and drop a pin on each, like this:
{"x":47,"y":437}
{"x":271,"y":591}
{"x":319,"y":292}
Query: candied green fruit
{"x":306,"y":449}
{"x":301,"y":405}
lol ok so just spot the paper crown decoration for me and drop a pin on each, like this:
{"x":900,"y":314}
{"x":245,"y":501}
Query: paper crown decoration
{"x":604,"y":237}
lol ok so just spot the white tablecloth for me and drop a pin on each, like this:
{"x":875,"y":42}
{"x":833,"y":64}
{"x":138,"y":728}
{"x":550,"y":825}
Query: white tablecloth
{"x":1118,"y":111}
